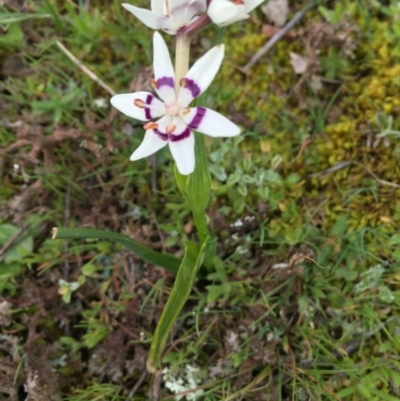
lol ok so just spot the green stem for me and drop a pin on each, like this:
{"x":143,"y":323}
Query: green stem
{"x":181,"y":69}
{"x":201,"y":225}
{"x":182,"y":52}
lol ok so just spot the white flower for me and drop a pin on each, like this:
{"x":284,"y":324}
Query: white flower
{"x":177,"y":118}
{"x":168,"y":15}
{"x":226,"y":12}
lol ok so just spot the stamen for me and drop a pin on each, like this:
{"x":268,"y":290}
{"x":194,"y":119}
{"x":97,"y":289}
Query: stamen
{"x":186,"y":110}
{"x":153,"y":83}
{"x":170,"y":128}
{"x":139,"y":103}
{"x":238,"y":2}
{"x":183,"y":82}
{"x":150,"y":125}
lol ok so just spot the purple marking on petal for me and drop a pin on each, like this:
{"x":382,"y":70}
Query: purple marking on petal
{"x":198,"y":117}
{"x":164,"y":137}
{"x":192,"y":86}
{"x":148,"y":101}
{"x":185,"y":134}
{"x":167,"y":81}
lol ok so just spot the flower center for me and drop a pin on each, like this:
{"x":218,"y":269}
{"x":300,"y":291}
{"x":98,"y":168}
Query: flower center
{"x":173,"y":109}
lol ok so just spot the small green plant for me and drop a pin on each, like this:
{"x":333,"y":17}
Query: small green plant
{"x":385,"y":126}
{"x":338,"y":12}
{"x":98,"y":392}
{"x":16,"y":245}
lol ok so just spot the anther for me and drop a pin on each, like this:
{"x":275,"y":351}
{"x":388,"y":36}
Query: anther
{"x":186,"y":110}
{"x":153,"y":83}
{"x":238,"y":2}
{"x":170,"y":128}
{"x":139,"y":103}
{"x":183,"y":82}
{"x":150,"y":125}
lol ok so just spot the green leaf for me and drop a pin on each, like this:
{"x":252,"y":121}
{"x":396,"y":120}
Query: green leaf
{"x":382,"y":395}
{"x":386,"y":295}
{"x":263,"y":192}
{"x":242,"y":190}
{"x":369,"y":279}
{"x":346,"y":273}
{"x":164,"y":260}
{"x":9,"y":18}
{"x":9,"y":269}
{"x":180,"y":293}
{"x":340,"y":225}
{"x":199,"y":182}
{"x":198,"y":186}
{"x":395,"y":240}
{"x":89,"y":268}
{"x":20,"y":247}
{"x":346,"y":392}
{"x":292,"y":179}
{"x":71,"y":342}
{"x":293,"y":236}
{"x":273,"y":177}
{"x":180,"y":180}
{"x":233,"y":179}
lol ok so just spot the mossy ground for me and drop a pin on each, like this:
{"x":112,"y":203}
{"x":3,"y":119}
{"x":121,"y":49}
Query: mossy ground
{"x":304,"y":300}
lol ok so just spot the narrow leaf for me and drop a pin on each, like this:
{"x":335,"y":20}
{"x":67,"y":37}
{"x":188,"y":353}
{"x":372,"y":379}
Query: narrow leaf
{"x":180,"y":180}
{"x":180,"y":293}
{"x":9,"y":18}
{"x":164,"y":260}
{"x":199,"y":182}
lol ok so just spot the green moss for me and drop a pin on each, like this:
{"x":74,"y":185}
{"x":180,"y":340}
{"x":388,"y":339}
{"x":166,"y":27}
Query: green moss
{"x":266,"y":99}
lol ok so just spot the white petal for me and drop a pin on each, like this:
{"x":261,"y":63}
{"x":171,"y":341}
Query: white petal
{"x":151,"y":144}
{"x":173,"y":128}
{"x":163,"y":123}
{"x":157,"y":6}
{"x":252,"y":4}
{"x":169,"y":25}
{"x":151,"y":108}
{"x":181,"y":130}
{"x":199,"y":5}
{"x":209,"y":122}
{"x":192,"y":9}
{"x":200,"y":76}
{"x":178,"y":12}
{"x":164,"y":73}
{"x":149,"y":18}
{"x":183,"y":153}
{"x":181,"y":13}
{"x":176,"y":4}
{"x":225,"y":12}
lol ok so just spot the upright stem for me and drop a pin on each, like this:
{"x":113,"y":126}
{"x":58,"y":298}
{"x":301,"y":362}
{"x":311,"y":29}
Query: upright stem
{"x":199,"y":178}
{"x":181,"y":57}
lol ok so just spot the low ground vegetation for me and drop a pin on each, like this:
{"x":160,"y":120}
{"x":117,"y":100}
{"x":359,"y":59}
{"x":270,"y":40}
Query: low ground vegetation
{"x":303,"y":301}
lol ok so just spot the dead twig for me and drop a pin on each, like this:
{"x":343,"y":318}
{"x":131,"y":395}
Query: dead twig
{"x":344,"y":164}
{"x":67,"y":214}
{"x":137,"y":385}
{"x":85,"y":69}
{"x":154,"y":393}
{"x":383,"y":182}
{"x":278,"y":36}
